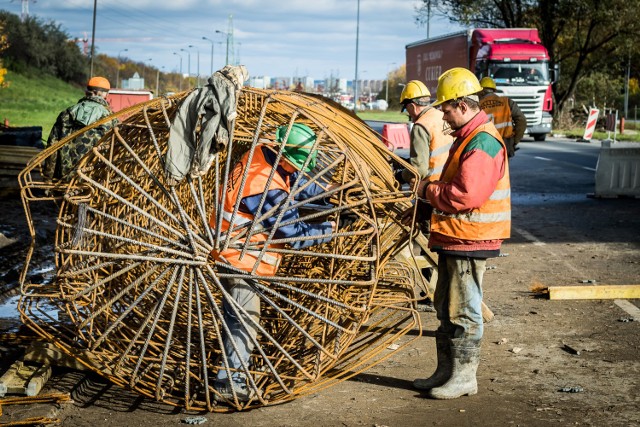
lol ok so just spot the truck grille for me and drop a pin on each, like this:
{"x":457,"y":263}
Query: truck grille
{"x":530,"y":104}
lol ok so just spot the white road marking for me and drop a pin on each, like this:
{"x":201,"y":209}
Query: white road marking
{"x":589,"y":169}
{"x":629,"y":308}
{"x":530,"y":237}
{"x":542,"y":158}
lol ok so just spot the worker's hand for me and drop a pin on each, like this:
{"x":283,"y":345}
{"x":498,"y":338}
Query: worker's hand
{"x":347,"y":219}
{"x":407,"y":217}
{"x":422,"y":186}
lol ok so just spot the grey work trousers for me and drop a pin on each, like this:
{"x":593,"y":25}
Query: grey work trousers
{"x":242,"y":333}
{"x":458,"y":296}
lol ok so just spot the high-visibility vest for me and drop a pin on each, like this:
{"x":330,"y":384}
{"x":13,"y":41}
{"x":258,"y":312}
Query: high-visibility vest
{"x":490,"y":221}
{"x":440,"y":142}
{"x":256,"y":183}
{"x":498,"y":110}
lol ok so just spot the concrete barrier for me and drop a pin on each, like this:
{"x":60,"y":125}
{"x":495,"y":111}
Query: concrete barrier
{"x":618,"y":170}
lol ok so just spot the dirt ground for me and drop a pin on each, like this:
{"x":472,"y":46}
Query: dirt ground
{"x":526,"y":358}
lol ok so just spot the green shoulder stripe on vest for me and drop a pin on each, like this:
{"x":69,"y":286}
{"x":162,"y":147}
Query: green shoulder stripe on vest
{"x":485,"y":142}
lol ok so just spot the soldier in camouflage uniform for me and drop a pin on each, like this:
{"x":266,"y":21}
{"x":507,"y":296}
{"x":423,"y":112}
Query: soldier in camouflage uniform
{"x":88,"y":110}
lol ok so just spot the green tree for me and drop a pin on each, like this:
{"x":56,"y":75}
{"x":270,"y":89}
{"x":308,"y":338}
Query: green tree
{"x":582,"y":36}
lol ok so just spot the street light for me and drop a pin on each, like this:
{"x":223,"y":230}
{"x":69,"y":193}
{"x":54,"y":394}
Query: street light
{"x":198,"y":75}
{"x":188,"y":63}
{"x":144,"y":67}
{"x":210,"y":41}
{"x":181,"y":75}
{"x":227,"y":36}
{"x":355,"y":86}
{"x":118,"y":71}
{"x":158,"y":82}
{"x":387,"y":94}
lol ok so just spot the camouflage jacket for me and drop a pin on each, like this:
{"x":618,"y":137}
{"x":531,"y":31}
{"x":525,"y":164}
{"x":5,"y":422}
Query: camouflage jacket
{"x":87,"y":111}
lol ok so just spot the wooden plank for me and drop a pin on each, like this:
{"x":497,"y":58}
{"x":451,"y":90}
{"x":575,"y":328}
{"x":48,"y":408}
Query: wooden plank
{"x":595,"y":292}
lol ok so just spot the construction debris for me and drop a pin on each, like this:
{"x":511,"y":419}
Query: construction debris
{"x":137,"y":291}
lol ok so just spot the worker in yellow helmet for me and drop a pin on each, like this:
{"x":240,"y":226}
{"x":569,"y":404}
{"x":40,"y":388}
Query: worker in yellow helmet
{"x":91,"y":108}
{"x":471,"y":217}
{"x":429,"y":142}
{"x":505,"y":113}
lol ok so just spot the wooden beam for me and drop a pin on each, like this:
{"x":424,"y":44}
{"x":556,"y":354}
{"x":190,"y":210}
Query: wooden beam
{"x":595,"y":292}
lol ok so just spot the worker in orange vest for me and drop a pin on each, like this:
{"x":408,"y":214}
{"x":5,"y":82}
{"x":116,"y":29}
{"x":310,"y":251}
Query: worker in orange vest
{"x":507,"y":117}
{"x":298,"y":157}
{"x":430,"y":141}
{"x":471,"y":217}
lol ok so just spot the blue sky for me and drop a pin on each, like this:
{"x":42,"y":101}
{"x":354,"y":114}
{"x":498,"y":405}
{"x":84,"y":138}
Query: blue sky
{"x":315,"y":38}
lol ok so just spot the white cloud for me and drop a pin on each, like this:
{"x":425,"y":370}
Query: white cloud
{"x":272,"y":37}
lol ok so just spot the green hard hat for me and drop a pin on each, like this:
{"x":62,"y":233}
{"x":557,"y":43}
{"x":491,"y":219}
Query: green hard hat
{"x":298,"y":146}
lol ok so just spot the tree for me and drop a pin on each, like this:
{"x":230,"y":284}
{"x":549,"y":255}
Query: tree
{"x":582,"y":36}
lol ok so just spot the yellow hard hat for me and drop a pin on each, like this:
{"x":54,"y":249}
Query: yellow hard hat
{"x":488,"y":83}
{"x":414,"y":89}
{"x":99,"y":83}
{"x":456,"y":83}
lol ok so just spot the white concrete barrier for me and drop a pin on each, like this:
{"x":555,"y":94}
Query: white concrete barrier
{"x":618,"y":170}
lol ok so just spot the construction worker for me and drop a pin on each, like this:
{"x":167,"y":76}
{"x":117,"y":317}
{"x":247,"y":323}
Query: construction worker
{"x":505,"y":113}
{"x":471,"y":217}
{"x":243,"y":332}
{"x":429,"y":141}
{"x":89,"y":109}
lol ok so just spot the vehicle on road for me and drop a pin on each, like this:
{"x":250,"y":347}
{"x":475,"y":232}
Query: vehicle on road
{"x":514,"y":57}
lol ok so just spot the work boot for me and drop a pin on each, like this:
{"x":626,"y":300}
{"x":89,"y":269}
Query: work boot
{"x":465,"y":359}
{"x":443,"y":370}
{"x":242,"y":391}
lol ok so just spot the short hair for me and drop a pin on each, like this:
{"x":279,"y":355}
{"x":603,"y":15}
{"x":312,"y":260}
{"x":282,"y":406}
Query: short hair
{"x":472,"y":101}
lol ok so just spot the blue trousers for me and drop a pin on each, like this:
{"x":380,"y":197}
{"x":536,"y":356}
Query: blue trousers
{"x":458,"y":297}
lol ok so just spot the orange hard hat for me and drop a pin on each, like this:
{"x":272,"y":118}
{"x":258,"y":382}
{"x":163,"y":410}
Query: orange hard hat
{"x":99,"y":83}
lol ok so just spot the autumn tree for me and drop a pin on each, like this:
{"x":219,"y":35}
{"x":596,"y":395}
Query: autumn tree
{"x":4,"y":44}
{"x":583,"y":36}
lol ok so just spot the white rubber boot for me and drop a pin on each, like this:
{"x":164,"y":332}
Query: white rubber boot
{"x":443,"y":370}
{"x":463,"y":376}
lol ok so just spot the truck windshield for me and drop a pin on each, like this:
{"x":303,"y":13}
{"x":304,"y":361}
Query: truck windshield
{"x":519,"y":73}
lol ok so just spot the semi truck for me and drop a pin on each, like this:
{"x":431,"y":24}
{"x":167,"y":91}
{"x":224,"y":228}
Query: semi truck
{"x":514,"y":57}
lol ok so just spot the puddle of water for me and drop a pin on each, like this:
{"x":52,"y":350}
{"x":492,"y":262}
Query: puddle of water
{"x":9,"y":308}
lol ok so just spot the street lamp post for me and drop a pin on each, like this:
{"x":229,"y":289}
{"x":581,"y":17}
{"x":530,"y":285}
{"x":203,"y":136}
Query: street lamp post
{"x":158,"y":82}
{"x":188,"y":65}
{"x":144,"y":68}
{"x":355,"y":86}
{"x":118,"y":70}
{"x":181,"y":75}
{"x":387,"y":89}
{"x":210,"y":41}
{"x":227,"y":36}
{"x":198,"y":66}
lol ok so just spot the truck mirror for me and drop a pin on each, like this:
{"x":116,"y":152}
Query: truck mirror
{"x":555,"y":73}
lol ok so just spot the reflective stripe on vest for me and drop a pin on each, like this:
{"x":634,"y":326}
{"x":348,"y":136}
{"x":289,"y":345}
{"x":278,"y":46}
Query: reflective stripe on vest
{"x":256,"y":183}
{"x":498,"y":110}
{"x":490,"y":221}
{"x":440,"y":143}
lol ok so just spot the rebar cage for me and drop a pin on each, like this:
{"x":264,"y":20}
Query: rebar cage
{"x":138,"y":298}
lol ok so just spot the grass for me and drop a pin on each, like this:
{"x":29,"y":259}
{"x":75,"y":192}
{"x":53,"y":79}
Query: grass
{"x":385,"y":116}
{"x":36,"y":99}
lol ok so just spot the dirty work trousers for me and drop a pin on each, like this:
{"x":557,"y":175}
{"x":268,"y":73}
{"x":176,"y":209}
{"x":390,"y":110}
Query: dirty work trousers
{"x":242,"y":331}
{"x":458,"y":297}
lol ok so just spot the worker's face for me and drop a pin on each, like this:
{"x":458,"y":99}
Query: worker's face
{"x":412,"y":109}
{"x":454,"y":115}
{"x":287,"y":166}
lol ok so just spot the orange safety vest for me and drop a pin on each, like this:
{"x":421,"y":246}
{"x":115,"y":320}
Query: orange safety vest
{"x":498,"y":110}
{"x":440,"y":142}
{"x":490,"y":221}
{"x":256,"y":183}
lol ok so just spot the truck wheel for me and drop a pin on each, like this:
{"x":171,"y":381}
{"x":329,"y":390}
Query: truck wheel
{"x":540,"y":137}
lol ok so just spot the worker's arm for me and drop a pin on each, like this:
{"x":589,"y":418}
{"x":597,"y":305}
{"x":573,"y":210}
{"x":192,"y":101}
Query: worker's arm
{"x":308,"y":231}
{"x":519,"y":121}
{"x":419,"y":152}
